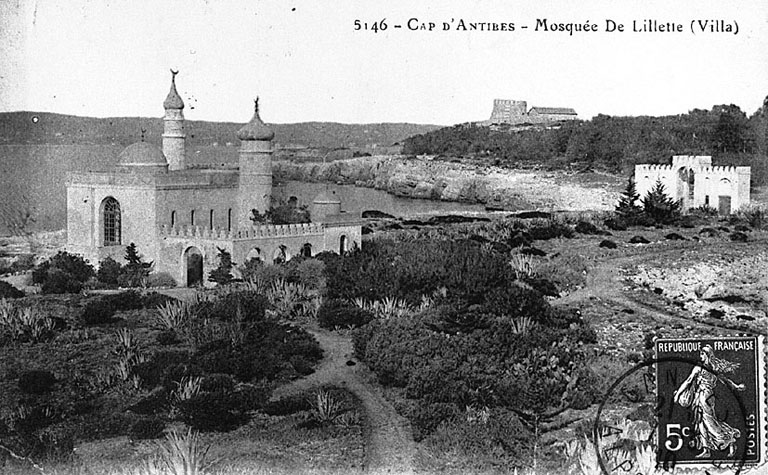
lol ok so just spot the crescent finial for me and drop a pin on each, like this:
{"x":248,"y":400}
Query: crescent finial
{"x":174,"y":72}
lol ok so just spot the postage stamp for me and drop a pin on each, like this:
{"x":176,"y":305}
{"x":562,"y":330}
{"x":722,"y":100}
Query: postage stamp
{"x":710,"y":402}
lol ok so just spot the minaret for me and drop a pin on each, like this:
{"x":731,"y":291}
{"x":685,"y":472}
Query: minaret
{"x":173,"y":130}
{"x":255,"y":186}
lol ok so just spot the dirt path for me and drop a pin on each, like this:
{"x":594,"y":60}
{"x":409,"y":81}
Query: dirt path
{"x":389,"y":447}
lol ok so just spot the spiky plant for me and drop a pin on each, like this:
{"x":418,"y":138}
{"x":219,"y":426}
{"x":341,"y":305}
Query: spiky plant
{"x":183,"y":453}
{"x":173,"y":315}
{"x":523,"y":266}
{"x":325,"y":409}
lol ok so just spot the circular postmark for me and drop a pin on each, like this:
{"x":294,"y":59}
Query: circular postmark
{"x":692,"y":412}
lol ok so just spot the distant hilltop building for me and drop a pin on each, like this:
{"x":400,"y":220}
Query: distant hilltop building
{"x":695,"y":182}
{"x":179,"y":216}
{"x":506,"y":111}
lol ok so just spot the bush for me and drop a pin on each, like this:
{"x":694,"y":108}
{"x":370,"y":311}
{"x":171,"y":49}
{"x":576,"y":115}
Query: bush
{"x":674,"y":237}
{"x":209,"y":412}
{"x":739,"y":237}
{"x":56,"y":281}
{"x":98,"y":311}
{"x":638,"y":240}
{"x":36,"y":382}
{"x":109,"y":271}
{"x":288,"y":405}
{"x":153,"y":300}
{"x":308,"y":272}
{"x":335,"y":313}
{"x":127,"y":300}
{"x":74,"y":266}
{"x":608,"y":244}
{"x":161,"y":279}
{"x":585,"y":227}
{"x":8,"y":291}
{"x":245,"y":305}
{"x":162,"y":366}
{"x":147,"y":428}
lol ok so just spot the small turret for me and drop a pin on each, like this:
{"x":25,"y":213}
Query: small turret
{"x":256,"y":129}
{"x":173,"y":128}
{"x":323,"y":206}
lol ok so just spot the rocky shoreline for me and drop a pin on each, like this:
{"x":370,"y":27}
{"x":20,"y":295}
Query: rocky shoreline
{"x":495,"y":187}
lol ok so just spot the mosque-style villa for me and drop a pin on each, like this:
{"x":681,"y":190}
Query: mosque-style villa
{"x":178,"y":216}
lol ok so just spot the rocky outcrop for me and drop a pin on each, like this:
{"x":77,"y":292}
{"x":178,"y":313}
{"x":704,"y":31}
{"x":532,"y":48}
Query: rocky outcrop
{"x":439,"y":180}
{"x":729,"y":289}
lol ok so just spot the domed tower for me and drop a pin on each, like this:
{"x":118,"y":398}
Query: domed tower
{"x":255,"y":186}
{"x":173,"y":130}
{"x":324,"y":205}
{"x":142,"y":157}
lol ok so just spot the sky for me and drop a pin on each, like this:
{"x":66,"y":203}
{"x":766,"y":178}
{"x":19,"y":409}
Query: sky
{"x":307,"y":62}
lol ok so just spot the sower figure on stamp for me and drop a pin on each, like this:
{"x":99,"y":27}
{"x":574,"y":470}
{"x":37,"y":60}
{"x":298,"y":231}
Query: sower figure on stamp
{"x":698,"y":393}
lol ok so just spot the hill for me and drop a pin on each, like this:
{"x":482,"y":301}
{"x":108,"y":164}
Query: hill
{"x":39,"y":128}
{"x":613,"y":144}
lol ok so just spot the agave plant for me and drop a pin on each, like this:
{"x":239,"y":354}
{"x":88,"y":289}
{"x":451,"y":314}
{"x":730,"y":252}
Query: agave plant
{"x":174,"y":315}
{"x":522,"y":325}
{"x":183,"y":453}
{"x":522,"y":266}
{"x":326,"y":409}
{"x":187,"y":388}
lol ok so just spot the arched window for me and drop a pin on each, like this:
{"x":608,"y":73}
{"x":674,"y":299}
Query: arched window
{"x":111,"y":222}
{"x":343,"y":245}
{"x":192,"y":218}
{"x":229,"y":219}
{"x":210,"y":220}
{"x":306,"y":250}
{"x":173,"y":218}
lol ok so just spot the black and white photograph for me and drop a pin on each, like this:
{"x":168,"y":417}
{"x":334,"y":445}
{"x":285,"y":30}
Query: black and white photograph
{"x":350,"y":237}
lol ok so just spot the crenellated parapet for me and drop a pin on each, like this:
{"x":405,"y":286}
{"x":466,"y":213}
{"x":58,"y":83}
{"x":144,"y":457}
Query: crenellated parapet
{"x":653,"y":168}
{"x":254,"y":232}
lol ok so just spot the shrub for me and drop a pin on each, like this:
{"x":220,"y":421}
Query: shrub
{"x":585,"y":227}
{"x":153,"y":300}
{"x":208,"y":412}
{"x":616,"y":224}
{"x":638,"y":240}
{"x":36,"y":382}
{"x":127,"y":300}
{"x":74,"y":266}
{"x":739,"y":237}
{"x":162,"y":364}
{"x":167,"y":337}
{"x":147,"y":428}
{"x":8,"y":291}
{"x":338,"y":313}
{"x":674,"y":237}
{"x":56,"y":281}
{"x":98,"y":311}
{"x":161,"y":279}
{"x":608,"y":244}
{"x":308,"y":272}
{"x":109,"y":271}
{"x":245,"y":305}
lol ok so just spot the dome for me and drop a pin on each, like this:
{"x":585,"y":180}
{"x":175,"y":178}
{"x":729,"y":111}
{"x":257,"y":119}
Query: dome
{"x":142,"y":154}
{"x":256,"y":129}
{"x":173,"y":100}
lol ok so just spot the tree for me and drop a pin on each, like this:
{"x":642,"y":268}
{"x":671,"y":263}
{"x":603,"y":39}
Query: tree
{"x":109,"y":271}
{"x":660,"y":207}
{"x":223,"y":274}
{"x":731,"y":132}
{"x":627,"y":208}
{"x":136,"y":270}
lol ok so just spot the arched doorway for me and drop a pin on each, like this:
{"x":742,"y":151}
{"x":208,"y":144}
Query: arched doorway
{"x":343,"y":245}
{"x":193,"y":266}
{"x":281,"y":254}
{"x":306,"y":250}
{"x":254,"y":253}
